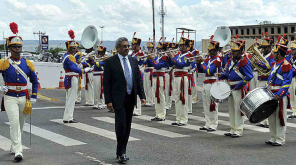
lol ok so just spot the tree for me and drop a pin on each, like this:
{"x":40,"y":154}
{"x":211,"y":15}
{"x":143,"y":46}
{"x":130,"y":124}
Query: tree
{"x":2,"y":47}
{"x":55,"y":51}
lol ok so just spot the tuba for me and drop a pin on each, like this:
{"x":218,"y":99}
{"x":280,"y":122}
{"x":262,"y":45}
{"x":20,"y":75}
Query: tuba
{"x":89,"y":37}
{"x":256,"y":55}
{"x":222,"y":35}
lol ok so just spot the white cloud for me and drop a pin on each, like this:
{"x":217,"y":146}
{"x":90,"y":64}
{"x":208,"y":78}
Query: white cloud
{"x":122,"y":18}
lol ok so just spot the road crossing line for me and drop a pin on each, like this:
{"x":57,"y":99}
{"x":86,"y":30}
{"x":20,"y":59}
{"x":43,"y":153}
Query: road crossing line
{"x":92,"y":129}
{"x":5,"y":144}
{"x":54,"y":137}
{"x":145,"y":128}
{"x":188,"y":126}
{"x":60,"y":107}
{"x":227,"y":115}
{"x":246,"y":126}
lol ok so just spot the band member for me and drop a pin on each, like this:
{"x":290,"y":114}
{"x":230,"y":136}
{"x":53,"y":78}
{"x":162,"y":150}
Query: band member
{"x":238,"y":73}
{"x":17,"y":103}
{"x":88,"y":79}
{"x":195,"y":52}
{"x":160,"y":64}
{"x":265,"y":46}
{"x":71,"y":78}
{"x":210,"y":66}
{"x":148,"y":78}
{"x":137,"y":53}
{"x":78,"y":58}
{"x":181,"y":81}
{"x":279,"y":81}
{"x":292,"y":59}
{"x":98,"y":78}
{"x":191,"y":82}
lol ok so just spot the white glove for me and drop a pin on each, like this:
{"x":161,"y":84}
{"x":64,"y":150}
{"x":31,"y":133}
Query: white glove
{"x":87,"y":69}
{"x":80,"y":66}
{"x":3,"y":88}
{"x":33,"y":101}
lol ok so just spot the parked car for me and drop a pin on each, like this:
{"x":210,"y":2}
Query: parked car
{"x":47,"y":57}
{"x":28,"y":56}
{"x":3,"y":54}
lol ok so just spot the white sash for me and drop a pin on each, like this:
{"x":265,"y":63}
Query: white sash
{"x":18,"y":69}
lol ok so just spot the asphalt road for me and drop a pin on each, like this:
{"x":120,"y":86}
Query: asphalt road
{"x":92,"y":141}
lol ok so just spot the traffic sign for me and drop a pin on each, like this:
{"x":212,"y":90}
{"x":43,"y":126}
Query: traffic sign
{"x":44,"y":41}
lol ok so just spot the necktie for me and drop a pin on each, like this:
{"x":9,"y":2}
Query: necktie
{"x":128,"y":76}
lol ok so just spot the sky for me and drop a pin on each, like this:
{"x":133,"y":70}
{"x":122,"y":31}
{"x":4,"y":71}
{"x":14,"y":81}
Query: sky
{"x":124,"y":17}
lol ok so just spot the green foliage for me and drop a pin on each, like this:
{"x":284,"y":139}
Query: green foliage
{"x":80,"y":46}
{"x":56,"y":50}
{"x":2,"y":47}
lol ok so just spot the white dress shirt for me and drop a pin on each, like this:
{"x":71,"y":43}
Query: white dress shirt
{"x":128,"y":64}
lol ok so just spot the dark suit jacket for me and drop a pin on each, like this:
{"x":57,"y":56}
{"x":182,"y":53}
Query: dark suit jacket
{"x":114,"y":82}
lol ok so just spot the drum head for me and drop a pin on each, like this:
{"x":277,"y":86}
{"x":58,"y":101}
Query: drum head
{"x":219,"y":90}
{"x":263,"y":111}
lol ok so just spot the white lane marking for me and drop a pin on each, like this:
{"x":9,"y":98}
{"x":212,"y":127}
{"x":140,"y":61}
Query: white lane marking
{"x":60,"y":107}
{"x":188,"y":126}
{"x":227,"y":115}
{"x":5,"y":144}
{"x":145,"y":128}
{"x":92,"y":129}
{"x":246,"y":126}
{"x":54,"y":137}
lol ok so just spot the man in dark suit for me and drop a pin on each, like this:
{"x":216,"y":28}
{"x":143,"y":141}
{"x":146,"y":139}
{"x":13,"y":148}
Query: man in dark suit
{"x":122,"y":83}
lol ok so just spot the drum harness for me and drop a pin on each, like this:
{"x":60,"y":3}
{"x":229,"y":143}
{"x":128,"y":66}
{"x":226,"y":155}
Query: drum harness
{"x":273,"y":76}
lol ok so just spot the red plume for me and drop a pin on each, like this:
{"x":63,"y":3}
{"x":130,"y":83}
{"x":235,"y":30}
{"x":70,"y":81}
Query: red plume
{"x":173,"y":40}
{"x":134,"y":34}
{"x":256,"y":39}
{"x":263,"y":34}
{"x":71,"y":34}
{"x":149,"y":39}
{"x":295,"y":38}
{"x":182,"y":33}
{"x":279,"y":38}
{"x":284,"y":35}
{"x":188,"y":36}
{"x":236,"y":36}
{"x":212,"y":36}
{"x":13,"y":27}
{"x":160,"y":38}
{"x":101,"y":42}
{"x":231,"y":37}
{"x":164,"y":39}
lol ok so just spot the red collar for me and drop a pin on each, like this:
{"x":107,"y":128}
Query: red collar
{"x":280,"y":61}
{"x":15,"y":59}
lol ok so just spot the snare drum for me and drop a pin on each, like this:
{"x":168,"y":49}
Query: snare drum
{"x":219,"y":92}
{"x":258,"y":104}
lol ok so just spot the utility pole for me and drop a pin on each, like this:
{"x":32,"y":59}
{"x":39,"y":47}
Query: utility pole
{"x":40,"y":33}
{"x":101,"y":32}
{"x":153,"y":24}
{"x":162,"y":13}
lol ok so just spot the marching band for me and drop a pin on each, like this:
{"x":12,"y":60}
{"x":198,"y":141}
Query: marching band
{"x":170,"y":74}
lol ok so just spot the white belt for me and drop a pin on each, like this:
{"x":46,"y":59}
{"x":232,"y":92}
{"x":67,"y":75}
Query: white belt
{"x":233,"y":82}
{"x":181,"y":70}
{"x":159,"y":71}
{"x":275,"y":87}
{"x":98,"y":72}
{"x":17,"y":88}
{"x":149,"y":67}
{"x":280,"y":76}
{"x":71,"y":74}
{"x":211,"y":78}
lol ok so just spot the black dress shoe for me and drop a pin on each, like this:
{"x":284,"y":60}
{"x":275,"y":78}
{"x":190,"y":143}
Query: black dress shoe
{"x":118,"y":157}
{"x":211,"y":130}
{"x":175,"y":124}
{"x":228,"y":134}
{"x":277,"y":144}
{"x":135,"y":114}
{"x":181,"y":124}
{"x":111,"y":111}
{"x":154,"y":119}
{"x":269,"y":142}
{"x":158,"y":119}
{"x":18,"y":158}
{"x":122,"y":159}
{"x":203,"y":128}
{"x":235,"y":135}
{"x":71,"y":121}
{"x":77,"y":102}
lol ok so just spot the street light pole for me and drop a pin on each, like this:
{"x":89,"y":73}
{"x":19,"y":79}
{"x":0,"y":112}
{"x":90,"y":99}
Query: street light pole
{"x":101,"y":32}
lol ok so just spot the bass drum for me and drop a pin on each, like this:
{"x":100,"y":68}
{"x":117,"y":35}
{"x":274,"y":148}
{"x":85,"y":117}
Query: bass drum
{"x":220,"y":91}
{"x":258,"y":104}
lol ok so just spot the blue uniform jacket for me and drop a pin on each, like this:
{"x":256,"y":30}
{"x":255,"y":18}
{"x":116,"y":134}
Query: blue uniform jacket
{"x":179,"y":61}
{"x":292,"y":61}
{"x":160,"y":63}
{"x":283,"y":77}
{"x":70,"y":65}
{"x":242,"y":72}
{"x":12,"y":78}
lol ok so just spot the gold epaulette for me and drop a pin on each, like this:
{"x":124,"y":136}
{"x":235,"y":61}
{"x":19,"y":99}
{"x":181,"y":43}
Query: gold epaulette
{"x":30,"y":65}
{"x":72,"y":58}
{"x":4,"y":64}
